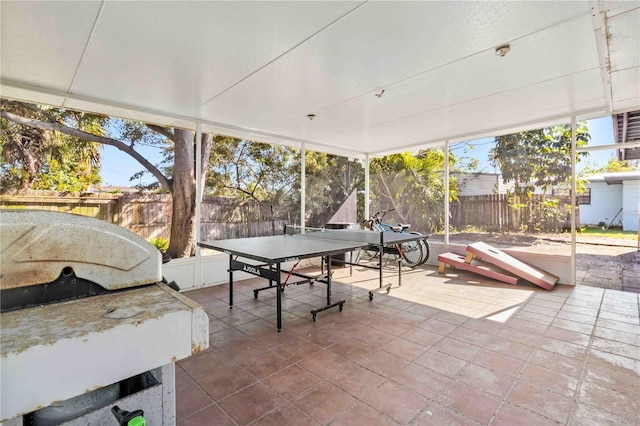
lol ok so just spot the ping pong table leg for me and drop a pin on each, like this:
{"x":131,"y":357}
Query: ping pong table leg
{"x":230,"y":282}
{"x":278,"y":297}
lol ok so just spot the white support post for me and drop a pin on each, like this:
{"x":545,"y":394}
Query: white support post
{"x":199,"y":190}
{"x":446,"y":194}
{"x":574,"y":197}
{"x":303,"y":185}
{"x":366,"y":186}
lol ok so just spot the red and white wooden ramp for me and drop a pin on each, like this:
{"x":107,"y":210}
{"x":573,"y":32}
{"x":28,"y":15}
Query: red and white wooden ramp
{"x":499,"y":258}
{"x":477,"y":266}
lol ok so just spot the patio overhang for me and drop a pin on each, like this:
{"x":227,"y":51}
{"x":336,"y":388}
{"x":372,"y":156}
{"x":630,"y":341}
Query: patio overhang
{"x":380,"y":77}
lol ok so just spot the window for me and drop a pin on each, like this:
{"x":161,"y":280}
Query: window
{"x":585,"y":197}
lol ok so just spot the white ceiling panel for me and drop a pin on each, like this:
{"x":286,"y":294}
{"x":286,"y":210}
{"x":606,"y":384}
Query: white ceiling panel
{"x":624,"y":44}
{"x":192,"y":51}
{"x":42,"y":42}
{"x":256,"y":69}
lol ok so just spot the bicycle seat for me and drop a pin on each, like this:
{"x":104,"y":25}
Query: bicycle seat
{"x":404,"y":226}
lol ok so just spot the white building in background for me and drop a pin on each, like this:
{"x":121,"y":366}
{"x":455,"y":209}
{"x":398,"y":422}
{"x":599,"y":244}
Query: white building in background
{"x":612,"y":199}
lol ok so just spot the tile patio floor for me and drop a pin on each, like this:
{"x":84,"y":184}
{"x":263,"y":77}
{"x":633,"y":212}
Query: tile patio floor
{"x":439,"y":350}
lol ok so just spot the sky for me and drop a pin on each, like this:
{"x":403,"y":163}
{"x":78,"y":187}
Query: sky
{"x":118,"y":167}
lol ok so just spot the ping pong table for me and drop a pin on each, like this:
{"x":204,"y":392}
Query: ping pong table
{"x":296,"y":244}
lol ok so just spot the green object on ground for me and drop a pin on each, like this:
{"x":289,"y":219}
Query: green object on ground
{"x":137,"y":421}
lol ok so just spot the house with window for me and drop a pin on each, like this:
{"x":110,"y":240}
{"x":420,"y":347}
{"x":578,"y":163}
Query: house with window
{"x":612,"y":199}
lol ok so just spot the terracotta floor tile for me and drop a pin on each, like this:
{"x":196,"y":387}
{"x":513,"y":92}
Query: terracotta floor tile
{"x":225,"y":382}
{"x":621,"y":326}
{"x":510,"y":348}
{"x":618,"y":335}
{"x":351,"y":349}
{"x":292,"y":381}
{"x":586,"y":415}
{"x":251,"y":403}
{"x":499,"y":362}
{"x":526,"y":326}
{"x":438,"y":326}
{"x":324,"y":402}
{"x":422,"y":337}
{"x":557,"y":362}
{"x":543,"y":402}
{"x":264,"y":364}
{"x":614,"y":362}
{"x":205,"y":363}
{"x":297,"y":349}
{"x":571,"y":350}
{"x":286,"y":414}
{"x":404,"y":348}
{"x":509,"y":415}
{"x":627,"y":406}
{"x":209,"y":416}
{"x":550,"y":380}
{"x":469,"y":402}
{"x":438,"y":415}
{"x":324,"y":363}
{"x":487,"y":380}
{"x":357,"y":380}
{"x":422,"y":380}
{"x":398,"y":402}
{"x":618,"y":348}
{"x":182,"y":378}
{"x":382,"y":363}
{"x":441,"y":362}
{"x":456,"y":348}
{"x":515,"y":335}
{"x":560,"y":332}
{"x":363,"y":414}
{"x":472,"y":337}
{"x":190,"y":399}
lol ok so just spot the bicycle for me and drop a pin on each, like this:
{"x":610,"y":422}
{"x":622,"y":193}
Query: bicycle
{"x":413,"y":253}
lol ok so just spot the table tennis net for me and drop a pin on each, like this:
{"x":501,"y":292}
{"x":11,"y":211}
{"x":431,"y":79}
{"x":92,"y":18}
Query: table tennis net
{"x":352,"y":235}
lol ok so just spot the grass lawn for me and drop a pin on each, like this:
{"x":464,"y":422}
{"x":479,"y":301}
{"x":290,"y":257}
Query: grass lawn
{"x":609,"y":233}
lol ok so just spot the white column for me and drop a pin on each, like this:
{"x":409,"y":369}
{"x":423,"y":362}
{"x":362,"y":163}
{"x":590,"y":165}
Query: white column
{"x":199,"y":191}
{"x":573,"y":200}
{"x":366,"y":186}
{"x":446,"y":194}
{"x":303,"y":185}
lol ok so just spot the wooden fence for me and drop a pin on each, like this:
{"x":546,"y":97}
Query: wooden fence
{"x":149,"y":215}
{"x":500,"y":212}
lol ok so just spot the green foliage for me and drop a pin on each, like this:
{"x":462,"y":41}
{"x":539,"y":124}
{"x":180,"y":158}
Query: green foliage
{"x":414,"y":186}
{"x":613,"y":166}
{"x":537,"y":158}
{"x":43,"y":159}
{"x":160,"y":243}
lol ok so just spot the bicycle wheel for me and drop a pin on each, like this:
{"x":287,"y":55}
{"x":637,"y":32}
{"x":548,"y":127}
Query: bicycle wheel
{"x":412,"y":253}
{"x":368,"y":254}
{"x":426,"y":249}
{"x":424,"y":243}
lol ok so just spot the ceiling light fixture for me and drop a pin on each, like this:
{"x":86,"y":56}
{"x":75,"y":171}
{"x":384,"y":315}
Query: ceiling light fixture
{"x":379,"y":95}
{"x":311,"y":116}
{"x":503,"y":49}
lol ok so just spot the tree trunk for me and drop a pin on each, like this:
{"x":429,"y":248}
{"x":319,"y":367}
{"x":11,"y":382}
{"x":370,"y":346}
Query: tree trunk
{"x":183,"y":217}
{"x":182,"y":243}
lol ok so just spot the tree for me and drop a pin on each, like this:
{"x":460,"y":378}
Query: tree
{"x":43,"y":159}
{"x":264,"y":173}
{"x":180,"y":183}
{"x":413,"y":186}
{"x":537,"y":158}
{"x":613,"y":166}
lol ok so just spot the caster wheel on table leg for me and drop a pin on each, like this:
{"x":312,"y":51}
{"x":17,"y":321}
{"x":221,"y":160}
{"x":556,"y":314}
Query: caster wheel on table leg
{"x":314,"y":317}
{"x":255,"y":294}
{"x":370,"y":296}
{"x":340,"y":307}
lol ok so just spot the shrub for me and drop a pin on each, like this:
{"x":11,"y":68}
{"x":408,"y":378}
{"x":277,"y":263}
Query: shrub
{"x":160,"y":243}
